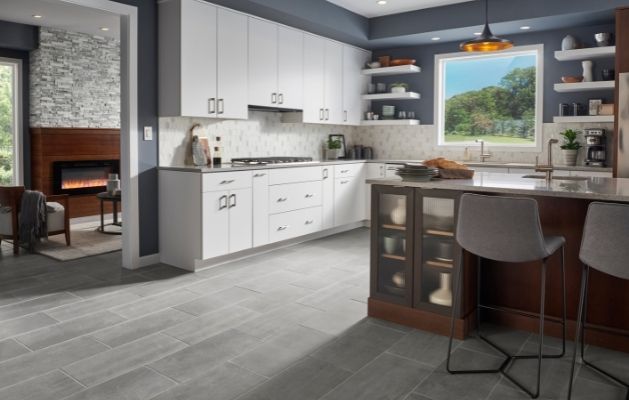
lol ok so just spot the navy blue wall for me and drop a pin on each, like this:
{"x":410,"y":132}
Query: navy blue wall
{"x":553,"y":70}
{"x":18,"y":36}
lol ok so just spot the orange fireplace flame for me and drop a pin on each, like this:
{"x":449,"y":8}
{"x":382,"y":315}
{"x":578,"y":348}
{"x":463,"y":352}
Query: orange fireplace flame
{"x":83,"y":183}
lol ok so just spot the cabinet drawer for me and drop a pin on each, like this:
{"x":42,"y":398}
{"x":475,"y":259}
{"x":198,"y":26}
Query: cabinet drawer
{"x":294,"y":196}
{"x":226,"y":181}
{"x":346,"y":170}
{"x":294,"y":223}
{"x":293,"y":175}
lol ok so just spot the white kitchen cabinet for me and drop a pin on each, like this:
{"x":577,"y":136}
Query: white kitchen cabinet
{"x":333,"y":91}
{"x":260,"y":208}
{"x":240,"y":206}
{"x":314,"y":79}
{"x":275,"y":65}
{"x":202,"y":60}
{"x":349,"y":198}
{"x":355,"y":84}
{"x":296,"y":223}
{"x":327,"y":199}
{"x":215,"y":225}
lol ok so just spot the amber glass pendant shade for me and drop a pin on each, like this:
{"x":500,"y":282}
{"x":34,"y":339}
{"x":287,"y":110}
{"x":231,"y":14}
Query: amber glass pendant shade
{"x":486,"y":41}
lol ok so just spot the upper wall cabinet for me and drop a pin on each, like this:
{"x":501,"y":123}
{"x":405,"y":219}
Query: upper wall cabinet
{"x":275,"y":65}
{"x":354,"y":82}
{"x":202,"y":60}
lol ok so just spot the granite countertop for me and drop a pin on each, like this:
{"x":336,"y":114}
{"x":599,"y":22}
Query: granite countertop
{"x":229,"y":167}
{"x":605,"y":189}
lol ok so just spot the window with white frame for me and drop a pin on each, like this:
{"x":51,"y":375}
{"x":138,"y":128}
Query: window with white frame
{"x":495,"y":97}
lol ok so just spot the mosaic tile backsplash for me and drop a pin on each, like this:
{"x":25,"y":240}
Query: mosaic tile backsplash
{"x":75,"y":81}
{"x":265,"y":135}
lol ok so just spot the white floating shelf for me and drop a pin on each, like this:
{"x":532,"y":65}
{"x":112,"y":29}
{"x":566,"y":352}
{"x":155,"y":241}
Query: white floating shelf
{"x":391,"y":122}
{"x":585,"y":54}
{"x":584,"y":119}
{"x":392,"y":96}
{"x":397,"y":70}
{"x":584,"y":86}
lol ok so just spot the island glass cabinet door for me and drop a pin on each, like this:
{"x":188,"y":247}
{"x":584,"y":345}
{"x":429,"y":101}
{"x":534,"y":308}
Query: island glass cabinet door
{"x":436,"y":251}
{"x":392,"y":244}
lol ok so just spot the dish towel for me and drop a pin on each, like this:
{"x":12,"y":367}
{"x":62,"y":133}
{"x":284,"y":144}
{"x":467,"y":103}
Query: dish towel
{"x":33,"y":218}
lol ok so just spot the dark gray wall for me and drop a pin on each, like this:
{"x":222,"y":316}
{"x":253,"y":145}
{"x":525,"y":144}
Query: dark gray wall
{"x":18,"y":36}
{"x":147,"y":116}
{"x":553,"y":70}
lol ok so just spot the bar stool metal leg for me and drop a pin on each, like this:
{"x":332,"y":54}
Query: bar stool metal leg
{"x":510,"y":358}
{"x":580,"y":338}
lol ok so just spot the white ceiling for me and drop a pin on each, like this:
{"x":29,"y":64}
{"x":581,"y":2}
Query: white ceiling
{"x":370,"y":8}
{"x":62,"y":15}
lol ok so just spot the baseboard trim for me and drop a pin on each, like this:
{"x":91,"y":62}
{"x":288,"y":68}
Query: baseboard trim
{"x":150,"y":259}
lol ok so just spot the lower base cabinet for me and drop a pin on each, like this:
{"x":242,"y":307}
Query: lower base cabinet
{"x":414,"y":256}
{"x":296,"y":223}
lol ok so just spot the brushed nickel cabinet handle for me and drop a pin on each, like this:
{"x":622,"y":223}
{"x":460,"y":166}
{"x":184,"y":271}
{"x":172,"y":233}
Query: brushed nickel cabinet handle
{"x":282,"y":199}
{"x":274,"y":98}
{"x":309,"y":222}
{"x":221,"y":106}
{"x":344,"y":182}
{"x":282,"y":228}
{"x":227,"y":182}
{"x":232,"y":204}
{"x":211,"y":105}
{"x":281,"y":98}
{"x":308,"y":195}
{"x":321,"y":114}
{"x":222,"y":205}
{"x":325,"y":173}
{"x":259,"y":175}
{"x":327,"y":114}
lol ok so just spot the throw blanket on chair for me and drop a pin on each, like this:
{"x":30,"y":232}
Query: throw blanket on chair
{"x":33,"y":218}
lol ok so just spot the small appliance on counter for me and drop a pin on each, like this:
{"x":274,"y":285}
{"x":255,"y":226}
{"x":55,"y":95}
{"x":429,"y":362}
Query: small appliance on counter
{"x":595,"y":148}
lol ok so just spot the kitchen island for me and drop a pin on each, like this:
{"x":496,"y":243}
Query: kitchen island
{"x":414,"y":256}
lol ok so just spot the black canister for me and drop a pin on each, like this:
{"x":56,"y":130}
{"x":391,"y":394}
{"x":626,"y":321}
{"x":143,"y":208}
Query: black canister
{"x":564,"y":109}
{"x":368,"y":153}
{"x":576,"y":109}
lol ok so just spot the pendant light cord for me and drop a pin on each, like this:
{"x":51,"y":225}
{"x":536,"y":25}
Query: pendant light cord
{"x":486,"y":11}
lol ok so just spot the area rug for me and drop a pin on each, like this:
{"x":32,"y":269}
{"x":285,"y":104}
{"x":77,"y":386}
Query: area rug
{"x":86,"y":241}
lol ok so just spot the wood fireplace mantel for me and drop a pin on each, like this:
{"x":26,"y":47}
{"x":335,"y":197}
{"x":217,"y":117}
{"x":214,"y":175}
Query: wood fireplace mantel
{"x":71,"y":144}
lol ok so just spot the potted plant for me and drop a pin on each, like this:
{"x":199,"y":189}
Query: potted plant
{"x":570,"y":147}
{"x":334,"y":149}
{"x":399,"y":87}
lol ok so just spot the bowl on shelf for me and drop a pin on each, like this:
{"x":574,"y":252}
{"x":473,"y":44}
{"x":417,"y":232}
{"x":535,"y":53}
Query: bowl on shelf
{"x":401,"y":61}
{"x":373,"y":65}
{"x":571,"y":79}
{"x":390,"y":244}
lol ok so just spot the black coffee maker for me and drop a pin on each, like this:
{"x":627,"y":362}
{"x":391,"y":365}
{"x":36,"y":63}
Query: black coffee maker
{"x":595,"y":148}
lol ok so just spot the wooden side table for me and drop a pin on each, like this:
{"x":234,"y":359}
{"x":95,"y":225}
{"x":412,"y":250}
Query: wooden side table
{"x":114,"y":199}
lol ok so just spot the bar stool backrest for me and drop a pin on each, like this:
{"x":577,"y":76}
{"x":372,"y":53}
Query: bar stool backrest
{"x":605,"y":242}
{"x":504,"y":229}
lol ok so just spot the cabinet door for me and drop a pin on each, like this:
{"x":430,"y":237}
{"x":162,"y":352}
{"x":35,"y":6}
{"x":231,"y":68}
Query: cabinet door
{"x":260,"y":208}
{"x":198,"y":59}
{"x":215,"y":218}
{"x":290,"y":68}
{"x":333,"y":82}
{"x":354,"y":84}
{"x":314,"y":73}
{"x":328,"y":197}
{"x":263,"y":63}
{"x":373,"y":171}
{"x":349,"y":200}
{"x":240,"y":220}
{"x":232,"y":65}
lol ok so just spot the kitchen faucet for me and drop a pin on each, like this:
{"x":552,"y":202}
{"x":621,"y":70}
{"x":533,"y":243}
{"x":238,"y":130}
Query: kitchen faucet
{"x":483,"y":155}
{"x":548,"y":168}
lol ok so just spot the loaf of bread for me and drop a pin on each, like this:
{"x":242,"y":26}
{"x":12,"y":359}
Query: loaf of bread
{"x":443,"y":163}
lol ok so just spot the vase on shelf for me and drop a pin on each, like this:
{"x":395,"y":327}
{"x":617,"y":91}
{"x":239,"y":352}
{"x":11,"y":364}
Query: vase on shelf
{"x":443,"y":295}
{"x":587,"y":71}
{"x":398,"y":214}
{"x":569,"y":43}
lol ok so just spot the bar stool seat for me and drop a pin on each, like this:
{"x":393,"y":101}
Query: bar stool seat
{"x":506,"y":229}
{"x":604,"y":247}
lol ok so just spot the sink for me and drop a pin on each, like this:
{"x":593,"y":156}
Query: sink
{"x":557,"y":178}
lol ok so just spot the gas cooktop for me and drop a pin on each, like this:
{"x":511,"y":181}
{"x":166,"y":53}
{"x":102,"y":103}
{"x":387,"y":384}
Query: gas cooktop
{"x":271,"y":160}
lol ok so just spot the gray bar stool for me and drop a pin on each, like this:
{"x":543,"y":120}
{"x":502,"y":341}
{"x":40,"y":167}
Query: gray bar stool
{"x":506,"y":229}
{"x":604,"y":248}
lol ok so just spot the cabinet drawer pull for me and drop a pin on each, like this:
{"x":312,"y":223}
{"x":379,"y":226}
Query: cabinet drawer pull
{"x":308,"y":195}
{"x":325,"y":174}
{"x":222,"y":205}
{"x":327,"y":114}
{"x":321,"y":114}
{"x":221,"y":106}
{"x":281,"y":98}
{"x":274,"y":98}
{"x":232,"y":204}
{"x":211,"y":105}
{"x":259,"y":175}
{"x":344,"y":182}
{"x":227,"y":182}
{"x":309,"y":222}
{"x":282,"y":199}
{"x":344,"y":171}
{"x":282,"y":228}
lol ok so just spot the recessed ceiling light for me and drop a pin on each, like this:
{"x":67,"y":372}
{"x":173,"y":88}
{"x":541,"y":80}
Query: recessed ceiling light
{"x":525,"y":27}
{"x":104,"y":29}
{"x":435,"y":38}
{"x":381,"y":2}
{"x":38,"y":16}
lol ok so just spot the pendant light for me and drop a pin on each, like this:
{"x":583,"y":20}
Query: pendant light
{"x":486,"y":41}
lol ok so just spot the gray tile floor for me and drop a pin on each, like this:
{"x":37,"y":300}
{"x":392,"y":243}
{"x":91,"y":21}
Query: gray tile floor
{"x":286,"y":325}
